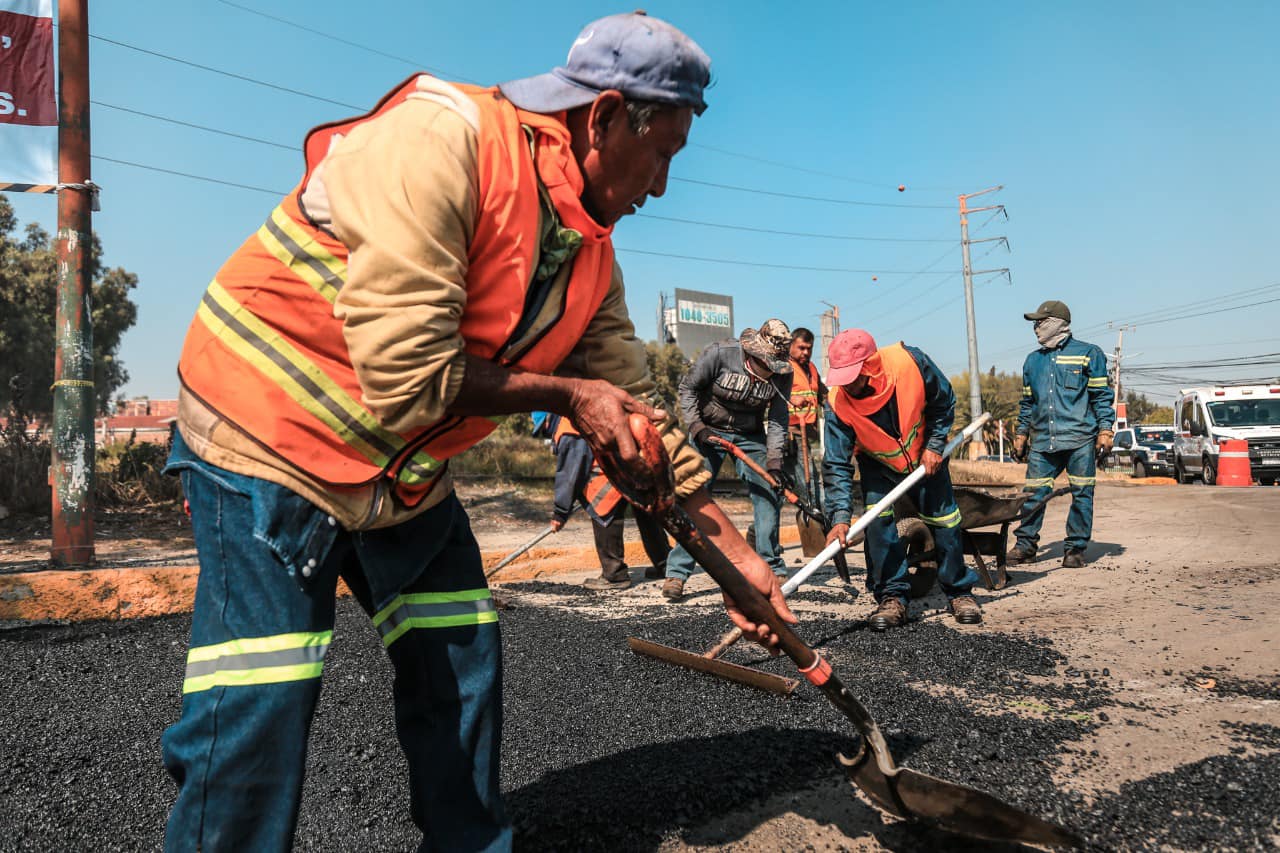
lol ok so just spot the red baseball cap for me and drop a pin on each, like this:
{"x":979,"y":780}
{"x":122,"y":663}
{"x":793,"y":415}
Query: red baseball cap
{"x":846,"y":355}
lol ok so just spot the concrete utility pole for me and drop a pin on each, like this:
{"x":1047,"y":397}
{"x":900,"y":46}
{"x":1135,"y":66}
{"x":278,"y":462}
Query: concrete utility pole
{"x":829,"y":328}
{"x":975,"y":381}
{"x":1122,"y":410}
{"x":74,"y":401}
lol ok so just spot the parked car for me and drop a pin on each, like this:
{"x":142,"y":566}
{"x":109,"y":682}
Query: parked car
{"x":1209,"y":416}
{"x":1144,"y":449}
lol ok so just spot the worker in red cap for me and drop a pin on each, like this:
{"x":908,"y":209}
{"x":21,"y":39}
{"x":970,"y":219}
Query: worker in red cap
{"x":892,"y":408}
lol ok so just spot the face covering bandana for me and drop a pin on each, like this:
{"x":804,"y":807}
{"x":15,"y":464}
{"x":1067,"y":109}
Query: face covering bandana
{"x":1052,"y":331}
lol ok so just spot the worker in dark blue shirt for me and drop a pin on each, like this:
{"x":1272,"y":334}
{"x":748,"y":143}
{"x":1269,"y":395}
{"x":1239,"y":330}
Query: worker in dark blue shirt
{"x":1066,"y":416}
{"x":892,"y":408}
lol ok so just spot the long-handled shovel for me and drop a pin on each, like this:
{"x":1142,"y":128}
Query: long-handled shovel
{"x":898,"y":790}
{"x":510,"y":558}
{"x":813,"y":537}
{"x":774,"y":683}
{"x":804,"y":508}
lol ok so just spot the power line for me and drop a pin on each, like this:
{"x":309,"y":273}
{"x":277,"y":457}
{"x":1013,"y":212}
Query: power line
{"x":412,"y":62}
{"x":278,"y":193}
{"x":1146,"y":318}
{"x":348,"y":42}
{"x":799,"y":197}
{"x":260,"y":141}
{"x":205,"y":128}
{"x":735,"y":262}
{"x":230,"y":74}
{"x":792,"y":233}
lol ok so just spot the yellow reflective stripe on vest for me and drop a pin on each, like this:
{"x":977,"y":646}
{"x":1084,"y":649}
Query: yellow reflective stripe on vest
{"x":1026,"y":390}
{"x":1081,"y":481}
{"x":306,"y":384}
{"x":257,"y":660}
{"x":1071,"y":359}
{"x":434,"y":610}
{"x":1038,"y":483}
{"x":894,"y":454}
{"x":1097,"y":382}
{"x":299,"y":251}
{"x":951,"y":519}
{"x":888,"y":513}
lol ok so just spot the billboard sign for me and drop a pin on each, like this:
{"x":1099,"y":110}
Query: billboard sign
{"x":700,"y":319}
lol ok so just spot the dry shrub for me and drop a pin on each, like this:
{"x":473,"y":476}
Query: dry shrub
{"x":24,"y":468}
{"x":507,"y":454}
{"x":129,"y":474}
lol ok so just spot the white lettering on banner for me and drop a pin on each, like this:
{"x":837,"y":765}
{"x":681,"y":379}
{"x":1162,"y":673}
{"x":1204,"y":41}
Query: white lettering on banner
{"x":28,"y":109}
{"x":702,"y":313}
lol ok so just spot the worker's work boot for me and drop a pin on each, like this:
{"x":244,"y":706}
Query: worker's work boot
{"x":673,"y":589}
{"x":603,"y":583}
{"x":890,"y":614}
{"x":1019,"y":554}
{"x":966,"y":610}
{"x":1073,"y":559}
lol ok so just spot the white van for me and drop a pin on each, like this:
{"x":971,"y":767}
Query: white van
{"x":1205,"y":417}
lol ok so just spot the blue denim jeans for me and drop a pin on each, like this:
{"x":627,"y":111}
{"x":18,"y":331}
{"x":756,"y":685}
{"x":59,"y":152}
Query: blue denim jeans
{"x":1043,"y":467}
{"x":263,"y":621}
{"x":887,"y":572}
{"x":765,"y":505}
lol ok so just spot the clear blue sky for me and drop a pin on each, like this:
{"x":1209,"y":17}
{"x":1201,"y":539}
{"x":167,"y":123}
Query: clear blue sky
{"x":1137,"y":143}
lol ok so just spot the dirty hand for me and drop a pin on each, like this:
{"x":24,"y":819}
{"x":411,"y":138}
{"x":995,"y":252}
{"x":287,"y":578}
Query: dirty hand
{"x":931,"y":461}
{"x":838,"y":533}
{"x":557,"y":524}
{"x":1104,"y":441}
{"x":1020,"y":447}
{"x":762,"y":578}
{"x":599,"y":411}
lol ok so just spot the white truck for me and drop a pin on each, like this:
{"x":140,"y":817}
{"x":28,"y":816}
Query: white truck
{"x":1206,"y":417}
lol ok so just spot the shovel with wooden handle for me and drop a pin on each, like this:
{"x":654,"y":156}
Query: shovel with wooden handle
{"x":649,"y":484}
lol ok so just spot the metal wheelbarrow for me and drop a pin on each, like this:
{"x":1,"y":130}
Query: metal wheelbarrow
{"x":979,"y":508}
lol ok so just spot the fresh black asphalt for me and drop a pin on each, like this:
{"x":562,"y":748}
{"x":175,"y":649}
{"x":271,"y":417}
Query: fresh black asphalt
{"x":606,"y":750}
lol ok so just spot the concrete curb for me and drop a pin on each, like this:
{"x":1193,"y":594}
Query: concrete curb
{"x":112,"y":594}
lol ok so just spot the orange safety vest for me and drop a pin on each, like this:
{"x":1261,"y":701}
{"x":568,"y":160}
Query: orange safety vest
{"x":899,"y":375}
{"x":600,"y":495}
{"x":804,"y":395}
{"x":266,"y":352}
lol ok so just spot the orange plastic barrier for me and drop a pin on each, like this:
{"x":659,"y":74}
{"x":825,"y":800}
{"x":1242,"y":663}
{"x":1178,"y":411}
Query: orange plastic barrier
{"x":1233,"y":463}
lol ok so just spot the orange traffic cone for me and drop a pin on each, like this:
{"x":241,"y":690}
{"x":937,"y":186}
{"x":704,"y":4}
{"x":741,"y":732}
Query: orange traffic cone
{"x":1233,"y":463}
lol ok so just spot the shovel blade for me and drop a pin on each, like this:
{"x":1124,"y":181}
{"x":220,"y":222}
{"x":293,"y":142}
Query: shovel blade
{"x":812,"y":537}
{"x":951,"y":807}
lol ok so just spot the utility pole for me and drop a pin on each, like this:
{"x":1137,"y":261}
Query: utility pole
{"x":975,"y":389}
{"x":74,"y":401}
{"x":829,"y":327}
{"x":1122,"y":410}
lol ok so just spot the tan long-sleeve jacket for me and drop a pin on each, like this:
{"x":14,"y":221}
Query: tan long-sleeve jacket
{"x":401,"y":192}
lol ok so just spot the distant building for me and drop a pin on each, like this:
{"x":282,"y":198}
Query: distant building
{"x":141,"y":419}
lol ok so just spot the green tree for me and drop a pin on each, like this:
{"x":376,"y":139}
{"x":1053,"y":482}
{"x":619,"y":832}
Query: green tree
{"x":667,"y":366}
{"x":1000,"y":393}
{"x":1141,"y":410}
{"x":28,"y":294}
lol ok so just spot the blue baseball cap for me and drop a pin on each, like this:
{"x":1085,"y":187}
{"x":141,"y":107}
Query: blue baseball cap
{"x":643,"y":57}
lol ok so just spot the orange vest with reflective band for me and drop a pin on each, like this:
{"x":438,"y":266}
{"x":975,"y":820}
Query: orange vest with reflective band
{"x":266,"y":352}
{"x":899,"y":375}
{"x":601,"y":497}
{"x":804,"y":395}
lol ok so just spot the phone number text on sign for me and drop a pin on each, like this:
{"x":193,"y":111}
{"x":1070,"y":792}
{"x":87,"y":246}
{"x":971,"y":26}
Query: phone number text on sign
{"x":703,"y":313}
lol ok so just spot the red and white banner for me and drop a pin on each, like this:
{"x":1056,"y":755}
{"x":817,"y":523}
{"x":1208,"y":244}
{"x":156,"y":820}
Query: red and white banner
{"x":28,"y":109}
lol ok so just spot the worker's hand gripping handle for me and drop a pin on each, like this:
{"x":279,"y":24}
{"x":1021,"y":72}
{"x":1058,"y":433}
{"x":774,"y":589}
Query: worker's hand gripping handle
{"x":652,"y":491}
